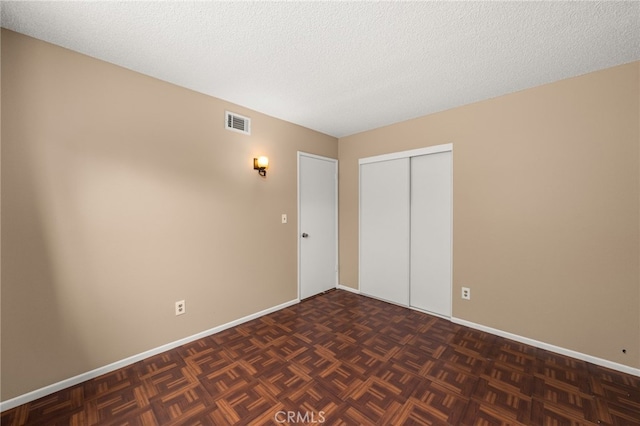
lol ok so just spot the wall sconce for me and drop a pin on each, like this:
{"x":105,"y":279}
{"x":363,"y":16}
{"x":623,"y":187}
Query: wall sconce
{"x":261,"y":164}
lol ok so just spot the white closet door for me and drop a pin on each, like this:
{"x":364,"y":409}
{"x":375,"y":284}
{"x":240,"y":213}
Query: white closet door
{"x":431,"y":233}
{"x":384,"y":230}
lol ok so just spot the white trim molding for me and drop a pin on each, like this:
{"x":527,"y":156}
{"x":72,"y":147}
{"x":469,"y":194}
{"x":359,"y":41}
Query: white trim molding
{"x":552,"y":348}
{"x":407,"y":154}
{"x":72,"y":381}
{"x":337,"y":234}
{"x":350,"y":289}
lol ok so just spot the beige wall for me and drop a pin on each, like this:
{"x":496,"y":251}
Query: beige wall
{"x":546,"y":217}
{"x":123,"y":194}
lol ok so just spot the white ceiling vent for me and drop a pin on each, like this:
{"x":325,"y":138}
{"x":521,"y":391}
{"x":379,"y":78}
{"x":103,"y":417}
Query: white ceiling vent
{"x":237,"y":123}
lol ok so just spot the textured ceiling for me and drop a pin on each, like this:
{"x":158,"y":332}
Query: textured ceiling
{"x":343,"y":67}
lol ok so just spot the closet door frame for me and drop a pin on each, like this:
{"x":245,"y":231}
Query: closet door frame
{"x":448,"y":147}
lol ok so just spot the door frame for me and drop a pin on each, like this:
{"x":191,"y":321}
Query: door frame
{"x":435,"y":149}
{"x":299,"y":228}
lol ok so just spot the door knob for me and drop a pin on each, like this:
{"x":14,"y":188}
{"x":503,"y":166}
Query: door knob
{"x":305,"y":235}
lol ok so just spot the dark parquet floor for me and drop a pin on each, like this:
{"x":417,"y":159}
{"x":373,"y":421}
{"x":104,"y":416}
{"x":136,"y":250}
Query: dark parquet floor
{"x":345,"y":359}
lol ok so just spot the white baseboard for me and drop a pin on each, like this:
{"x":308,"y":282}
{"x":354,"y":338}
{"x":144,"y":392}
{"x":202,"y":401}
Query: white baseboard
{"x":344,"y":287}
{"x":557,"y":349}
{"x":55,"y":387}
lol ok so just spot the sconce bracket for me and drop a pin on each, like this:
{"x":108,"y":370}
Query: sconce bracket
{"x":262,"y":171}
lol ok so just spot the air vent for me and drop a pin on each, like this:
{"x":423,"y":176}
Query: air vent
{"x":237,"y":123}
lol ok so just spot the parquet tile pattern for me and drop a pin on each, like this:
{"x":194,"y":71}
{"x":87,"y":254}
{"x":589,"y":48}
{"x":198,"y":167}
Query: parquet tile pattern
{"x":345,"y":359}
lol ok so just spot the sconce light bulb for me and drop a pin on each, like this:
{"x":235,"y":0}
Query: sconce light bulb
{"x":263,"y":162}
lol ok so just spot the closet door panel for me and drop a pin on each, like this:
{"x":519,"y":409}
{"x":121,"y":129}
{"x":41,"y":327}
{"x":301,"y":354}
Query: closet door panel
{"x":384,"y":230}
{"x":431,"y":182}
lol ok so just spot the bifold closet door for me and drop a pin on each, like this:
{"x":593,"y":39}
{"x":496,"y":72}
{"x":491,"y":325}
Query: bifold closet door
{"x":431,"y":185}
{"x":384,"y":230}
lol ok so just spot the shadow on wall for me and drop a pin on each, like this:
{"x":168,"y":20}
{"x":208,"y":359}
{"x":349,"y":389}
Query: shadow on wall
{"x":99,"y":234}
{"x":121,"y":195}
{"x":34,"y":290}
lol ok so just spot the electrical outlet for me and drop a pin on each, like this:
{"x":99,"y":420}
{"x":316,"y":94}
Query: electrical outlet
{"x":181,"y":308}
{"x":284,"y":218}
{"x":466,"y":293}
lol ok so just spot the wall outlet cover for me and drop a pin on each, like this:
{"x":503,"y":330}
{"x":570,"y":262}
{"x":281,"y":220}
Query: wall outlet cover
{"x":181,"y":307}
{"x":466,"y":293}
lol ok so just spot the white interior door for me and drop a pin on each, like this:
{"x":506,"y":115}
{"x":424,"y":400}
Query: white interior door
{"x":317,"y":224}
{"x":384,"y":230}
{"x":431,"y":188}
